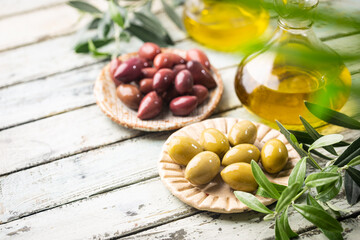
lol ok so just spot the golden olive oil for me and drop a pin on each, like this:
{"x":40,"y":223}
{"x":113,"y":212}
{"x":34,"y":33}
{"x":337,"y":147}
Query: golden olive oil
{"x":224,"y":26}
{"x":281,"y":96}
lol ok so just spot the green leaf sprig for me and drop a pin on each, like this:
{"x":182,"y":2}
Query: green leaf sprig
{"x":326,"y":183}
{"x":118,"y":23}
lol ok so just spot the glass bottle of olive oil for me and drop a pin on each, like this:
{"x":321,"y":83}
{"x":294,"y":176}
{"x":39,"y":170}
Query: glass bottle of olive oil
{"x":295,"y":66}
{"x":224,"y":25}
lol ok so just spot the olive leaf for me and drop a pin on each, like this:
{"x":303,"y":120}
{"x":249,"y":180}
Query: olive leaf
{"x":172,"y":15}
{"x":304,"y":137}
{"x":262,"y":192}
{"x":319,"y":217}
{"x":314,"y":152}
{"x":315,"y":135}
{"x":252,"y":202}
{"x":320,"y":179}
{"x":83,"y":47}
{"x":262,"y":180}
{"x":280,"y":233}
{"x":287,"y":196}
{"x":354,"y":174}
{"x":298,"y":173}
{"x":326,"y":141}
{"x":286,"y":133}
{"x":355,"y":161}
{"x":145,"y":35}
{"x":95,"y":52}
{"x":350,"y":153}
{"x":285,"y":222}
{"x":84,"y":7}
{"x":330,"y":235}
{"x":330,"y":191}
{"x":352,"y":190}
{"x":331,"y":116}
{"x":104,"y":26}
{"x":116,"y":13}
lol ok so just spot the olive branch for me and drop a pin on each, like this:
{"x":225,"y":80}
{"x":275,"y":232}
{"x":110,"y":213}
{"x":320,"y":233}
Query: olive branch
{"x":320,"y":187}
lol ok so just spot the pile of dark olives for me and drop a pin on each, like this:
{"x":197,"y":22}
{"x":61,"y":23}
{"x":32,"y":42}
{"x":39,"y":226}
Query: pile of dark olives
{"x":234,"y":153}
{"x":154,"y":78}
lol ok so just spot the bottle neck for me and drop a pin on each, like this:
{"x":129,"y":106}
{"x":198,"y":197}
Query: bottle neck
{"x":291,"y":24}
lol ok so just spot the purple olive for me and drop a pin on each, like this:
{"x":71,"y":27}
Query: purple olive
{"x":129,"y":95}
{"x":200,"y":92}
{"x":170,"y":94}
{"x":149,"y":50}
{"x":198,"y":55}
{"x":162,"y":80}
{"x":200,"y":74}
{"x":184,"y":105}
{"x":184,"y":82}
{"x":177,"y":68}
{"x":146,"y":85}
{"x":150,"y":106}
{"x":167,"y":60}
{"x":146,"y":63}
{"x":114,"y":64}
{"x":148,"y":72}
{"x":129,"y":71}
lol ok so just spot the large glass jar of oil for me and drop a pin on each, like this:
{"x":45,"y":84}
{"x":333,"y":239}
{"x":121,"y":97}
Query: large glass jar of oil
{"x":295,"y":66}
{"x":225,"y":25}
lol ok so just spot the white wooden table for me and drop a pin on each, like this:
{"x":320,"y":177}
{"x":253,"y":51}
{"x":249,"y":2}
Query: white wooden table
{"x":68,"y":172}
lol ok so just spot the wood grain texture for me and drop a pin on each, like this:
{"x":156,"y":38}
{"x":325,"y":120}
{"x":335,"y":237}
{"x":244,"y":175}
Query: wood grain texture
{"x":52,"y":138}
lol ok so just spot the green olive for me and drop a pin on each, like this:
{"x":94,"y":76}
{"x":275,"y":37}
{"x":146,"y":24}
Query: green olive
{"x":239,"y":177}
{"x":241,"y":153}
{"x":202,"y":168}
{"x":215,"y":141}
{"x":243,"y":132}
{"x":183,"y":149}
{"x":274,"y":156}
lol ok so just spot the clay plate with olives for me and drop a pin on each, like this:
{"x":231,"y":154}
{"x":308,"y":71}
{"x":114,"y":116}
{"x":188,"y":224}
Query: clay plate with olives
{"x":158,"y":98}
{"x":204,"y":163}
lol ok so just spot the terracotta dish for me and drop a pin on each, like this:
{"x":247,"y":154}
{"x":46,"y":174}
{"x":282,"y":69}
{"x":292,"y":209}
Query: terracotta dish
{"x":217,"y":196}
{"x":111,"y":105}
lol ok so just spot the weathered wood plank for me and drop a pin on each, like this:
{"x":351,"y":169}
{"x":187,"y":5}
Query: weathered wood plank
{"x":351,"y":231}
{"x":52,"y":138}
{"x":37,"y":26}
{"x":79,"y":176}
{"x":137,"y":207}
{"x":11,"y":7}
{"x":83,"y":175}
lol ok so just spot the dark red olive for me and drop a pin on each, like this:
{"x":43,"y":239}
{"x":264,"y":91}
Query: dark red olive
{"x":146,"y":63}
{"x":177,"y":68}
{"x":200,"y":74}
{"x":149,"y":50}
{"x":200,"y":92}
{"x":114,"y":64}
{"x":150,"y":106}
{"x":198,"y":55}
{"x":183,"y":106}
{"x":170,"y":94}
{"x":146,"y":85}
{"x":129,"y":95}
{"x":162,"y":80}
{"x":129,"y":71}
{"x":184,"y":82}
{"x":167,"y":60}
{"x":148,"y":72}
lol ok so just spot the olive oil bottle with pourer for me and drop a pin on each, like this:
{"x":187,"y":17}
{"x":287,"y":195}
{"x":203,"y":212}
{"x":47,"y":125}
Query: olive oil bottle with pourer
{"x":295,"y":66}
{"x":225,"y":25}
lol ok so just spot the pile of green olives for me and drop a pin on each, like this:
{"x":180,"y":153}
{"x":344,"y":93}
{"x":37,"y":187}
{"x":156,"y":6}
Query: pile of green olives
{"x":234,"y":152}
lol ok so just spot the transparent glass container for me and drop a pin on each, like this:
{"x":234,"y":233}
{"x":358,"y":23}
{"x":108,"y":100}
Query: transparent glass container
{"x":224,"y":25}
{"x":295,"y":66}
